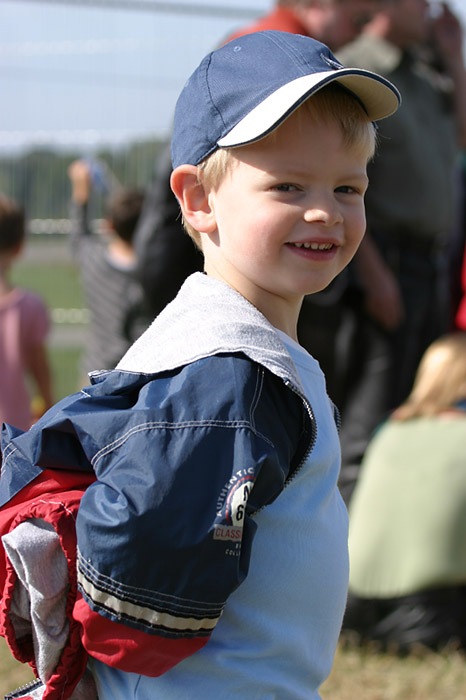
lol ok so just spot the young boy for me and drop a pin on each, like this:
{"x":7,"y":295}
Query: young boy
{"x":212,"y":556}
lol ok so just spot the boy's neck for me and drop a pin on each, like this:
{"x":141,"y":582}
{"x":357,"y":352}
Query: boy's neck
{"x":282,"y":314}
{"x":287,"y":323}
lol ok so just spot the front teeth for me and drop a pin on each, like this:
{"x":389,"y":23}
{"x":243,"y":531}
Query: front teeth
{"x":315,"y":246}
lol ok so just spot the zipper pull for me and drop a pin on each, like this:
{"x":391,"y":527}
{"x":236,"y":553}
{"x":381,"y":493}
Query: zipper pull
{"x":31,"y":691}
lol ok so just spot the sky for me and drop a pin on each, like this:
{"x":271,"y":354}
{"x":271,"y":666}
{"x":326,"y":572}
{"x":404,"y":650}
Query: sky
{"x":86,"y":74}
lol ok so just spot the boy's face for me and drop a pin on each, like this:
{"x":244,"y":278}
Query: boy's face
{"x":289,"y":215}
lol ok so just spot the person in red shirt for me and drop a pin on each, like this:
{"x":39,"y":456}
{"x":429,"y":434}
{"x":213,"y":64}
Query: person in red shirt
{"x":460,"y":318}
{"x":334,"y":22}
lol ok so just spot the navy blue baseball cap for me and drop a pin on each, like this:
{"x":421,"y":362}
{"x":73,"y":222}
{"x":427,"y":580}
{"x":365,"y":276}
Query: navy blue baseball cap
{"x":248,"y":87}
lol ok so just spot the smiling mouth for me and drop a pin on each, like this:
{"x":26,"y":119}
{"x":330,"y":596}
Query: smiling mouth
{"x":313,"y":246}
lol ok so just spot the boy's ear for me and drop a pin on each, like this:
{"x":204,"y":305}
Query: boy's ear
{"x":193,"y":198}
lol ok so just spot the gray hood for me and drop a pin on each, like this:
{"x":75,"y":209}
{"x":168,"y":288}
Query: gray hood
{"x":206,"y":318}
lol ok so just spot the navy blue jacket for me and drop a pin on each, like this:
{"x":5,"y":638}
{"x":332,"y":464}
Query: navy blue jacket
{"x":184,"y":452}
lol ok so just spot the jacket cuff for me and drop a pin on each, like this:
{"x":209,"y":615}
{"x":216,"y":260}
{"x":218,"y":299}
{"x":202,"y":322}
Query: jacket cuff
{"x":128,"y":649}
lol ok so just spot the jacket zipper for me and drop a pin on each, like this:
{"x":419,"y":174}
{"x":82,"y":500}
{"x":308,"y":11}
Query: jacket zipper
{"x":24,"y":691}
{"x":313,"y":439}
{"x":310,"y":446}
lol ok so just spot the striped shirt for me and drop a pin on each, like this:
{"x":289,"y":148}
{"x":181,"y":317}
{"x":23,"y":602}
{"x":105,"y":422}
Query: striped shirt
{"x":113,"y":296}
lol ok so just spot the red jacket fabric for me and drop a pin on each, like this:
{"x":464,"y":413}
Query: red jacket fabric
{"x":53,"y":496}
{"x":281,"y":19}
{"x":460,"y":318}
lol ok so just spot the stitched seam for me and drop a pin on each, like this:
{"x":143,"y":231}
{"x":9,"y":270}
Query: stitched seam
{"x":8,"y":451}
{"x":58,"y":503}
{"x":207,"y":86}
{"x":201,"y":632}
{"x":257,"y":395}
{"x":135,"y":594}
{"x":292,"y":53}
{"x":172,"y":426}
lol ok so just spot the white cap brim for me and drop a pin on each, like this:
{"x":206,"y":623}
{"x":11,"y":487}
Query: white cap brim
{"x":379,"y":97}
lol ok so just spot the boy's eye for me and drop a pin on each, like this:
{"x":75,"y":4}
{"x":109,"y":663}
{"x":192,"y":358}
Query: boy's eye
{"x":285,"y":187}
{"x":347,"y":189}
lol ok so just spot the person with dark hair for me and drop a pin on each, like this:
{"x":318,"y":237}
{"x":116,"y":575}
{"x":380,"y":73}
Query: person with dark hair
{"x":24,"y":324}
{"x":113,"y":294}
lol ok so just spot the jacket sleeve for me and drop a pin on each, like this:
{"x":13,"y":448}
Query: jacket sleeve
{"x":165,"y":533}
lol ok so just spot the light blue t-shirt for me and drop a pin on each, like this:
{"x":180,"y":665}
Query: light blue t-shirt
{"x":277,"y":636}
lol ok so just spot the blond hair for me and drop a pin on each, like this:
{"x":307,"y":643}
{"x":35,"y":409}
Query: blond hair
{"x":332,"y":103}
{"x":440,"y":380}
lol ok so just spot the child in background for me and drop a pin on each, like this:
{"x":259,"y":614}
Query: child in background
{"x":24,"y":324}
{"x":408,"y":516}
{"x":113,"y":295}
{"x":212,"y":546}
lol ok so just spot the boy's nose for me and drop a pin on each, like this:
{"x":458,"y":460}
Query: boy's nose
{"x":324,"y":210}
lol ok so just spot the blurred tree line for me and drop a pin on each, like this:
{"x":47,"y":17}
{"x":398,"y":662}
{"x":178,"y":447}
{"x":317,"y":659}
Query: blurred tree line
{"x":38,"y":179}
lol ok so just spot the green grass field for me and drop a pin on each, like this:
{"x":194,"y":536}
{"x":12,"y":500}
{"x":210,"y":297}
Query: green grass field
{"x":56,"y":281}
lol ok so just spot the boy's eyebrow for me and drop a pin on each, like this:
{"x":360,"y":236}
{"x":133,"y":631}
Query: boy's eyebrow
{"x":290,"y":172}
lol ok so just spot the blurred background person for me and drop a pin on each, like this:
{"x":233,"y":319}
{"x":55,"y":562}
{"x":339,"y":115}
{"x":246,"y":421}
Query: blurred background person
{"x":333,"y":22}
{"x":24,"y":325}
{"x":408,"y":514}
{"x":107,"y":261}
{"x":400,"y":295}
